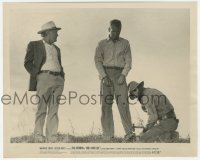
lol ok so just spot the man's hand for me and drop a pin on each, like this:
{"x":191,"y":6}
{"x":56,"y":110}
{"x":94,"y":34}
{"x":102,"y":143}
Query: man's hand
{"x":145,"y":129}
{"x":121,"y":79}
{"x":107,"y":81}
{"x":148,"y":126}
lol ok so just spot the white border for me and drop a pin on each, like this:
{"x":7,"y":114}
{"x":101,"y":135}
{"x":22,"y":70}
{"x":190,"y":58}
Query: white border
{"x":1,"y":79}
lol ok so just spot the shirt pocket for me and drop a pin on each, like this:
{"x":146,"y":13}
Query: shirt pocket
{"x":121,"y":57}
{"x":120,"y":50}
{"x":121,"y":53}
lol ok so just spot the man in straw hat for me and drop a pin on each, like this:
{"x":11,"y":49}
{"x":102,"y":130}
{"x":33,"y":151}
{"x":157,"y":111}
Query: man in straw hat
{"x":113,"y":62}
{"x":43,"y":62}
{"x":161,"y":116}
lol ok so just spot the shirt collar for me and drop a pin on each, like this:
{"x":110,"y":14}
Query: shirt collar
{"x":108,"y":39}
{"x":47,"y":43}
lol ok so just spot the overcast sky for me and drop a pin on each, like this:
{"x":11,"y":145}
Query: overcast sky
{"x":159,"y":40}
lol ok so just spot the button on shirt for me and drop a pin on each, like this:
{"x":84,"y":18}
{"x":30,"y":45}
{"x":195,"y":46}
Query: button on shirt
{"x":51,"y":63}
{"x":113,"y":54}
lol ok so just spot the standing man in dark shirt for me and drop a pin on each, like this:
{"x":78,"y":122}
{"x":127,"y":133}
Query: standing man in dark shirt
{"x":161,"y":115}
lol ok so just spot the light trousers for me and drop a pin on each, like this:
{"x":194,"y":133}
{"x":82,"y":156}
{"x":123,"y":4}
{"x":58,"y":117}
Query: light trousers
{"x":120,"y":92}
{"x":49,"y":89}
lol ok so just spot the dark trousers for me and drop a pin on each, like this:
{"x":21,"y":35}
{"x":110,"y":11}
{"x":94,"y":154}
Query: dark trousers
{"x":163,"y":127}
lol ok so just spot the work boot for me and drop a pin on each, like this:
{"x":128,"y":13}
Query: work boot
{"x":108,"y":138}
{"x":174,"y":135}
{"x":39,"y":139}
{"x":52,"y":139}
{"x":129,"y":138}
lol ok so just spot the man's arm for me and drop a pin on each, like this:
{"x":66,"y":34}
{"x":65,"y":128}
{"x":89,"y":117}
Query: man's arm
{"x":62,"y":73}
{"x":60,"y":61}
{"x":99,"y":60}
{"x":128,"y":64}
{"x":29,"y":60}
{"x":128,"y":60}
{"x":153,"y":116}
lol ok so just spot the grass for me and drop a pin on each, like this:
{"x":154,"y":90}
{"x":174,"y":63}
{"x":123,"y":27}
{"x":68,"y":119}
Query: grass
{"x":66,"y":138}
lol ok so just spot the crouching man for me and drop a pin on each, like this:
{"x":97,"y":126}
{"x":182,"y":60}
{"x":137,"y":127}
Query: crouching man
{"x":161,"y":116}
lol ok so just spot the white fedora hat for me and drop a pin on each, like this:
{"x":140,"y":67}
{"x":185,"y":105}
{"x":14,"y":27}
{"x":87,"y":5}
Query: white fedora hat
{"x":48,"y":26}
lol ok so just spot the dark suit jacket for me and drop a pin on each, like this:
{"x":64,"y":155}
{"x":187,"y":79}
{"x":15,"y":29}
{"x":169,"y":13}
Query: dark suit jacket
{"x":34,"y":60}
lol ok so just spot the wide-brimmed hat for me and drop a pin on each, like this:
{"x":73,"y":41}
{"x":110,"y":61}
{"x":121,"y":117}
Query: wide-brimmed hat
{"x":48,"y":26}
{"x":133,"y":85}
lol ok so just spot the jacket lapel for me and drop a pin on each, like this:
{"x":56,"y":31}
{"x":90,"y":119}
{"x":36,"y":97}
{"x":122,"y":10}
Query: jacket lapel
{"x":43,"y":50}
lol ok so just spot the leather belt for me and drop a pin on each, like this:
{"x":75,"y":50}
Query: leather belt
{"x":110,"y":67}
{"x":170,"y":114}
{"x":165,"y":117}
{"x":50,"y":72}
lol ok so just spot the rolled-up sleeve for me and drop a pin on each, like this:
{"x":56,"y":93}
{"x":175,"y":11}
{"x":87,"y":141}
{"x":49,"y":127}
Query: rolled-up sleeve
{"x":128,"y":60}
{"x":99,"y":60}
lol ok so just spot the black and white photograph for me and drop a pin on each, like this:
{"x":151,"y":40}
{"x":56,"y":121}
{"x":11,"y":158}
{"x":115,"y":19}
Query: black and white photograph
{"x":99,"y":79}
